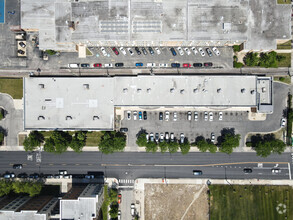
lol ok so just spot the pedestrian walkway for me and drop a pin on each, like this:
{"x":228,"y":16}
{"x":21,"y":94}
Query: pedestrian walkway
{"x":126,"y":181}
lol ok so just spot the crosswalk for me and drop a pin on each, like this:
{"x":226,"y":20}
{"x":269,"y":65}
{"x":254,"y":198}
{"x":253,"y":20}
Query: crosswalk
{"x":126,"y":181}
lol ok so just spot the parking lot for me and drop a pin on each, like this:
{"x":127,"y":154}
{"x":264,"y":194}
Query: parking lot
{"x":190,"y":128}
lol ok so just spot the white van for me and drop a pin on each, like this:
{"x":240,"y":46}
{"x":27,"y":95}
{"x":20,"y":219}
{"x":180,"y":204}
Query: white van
{"x":73,"y":65}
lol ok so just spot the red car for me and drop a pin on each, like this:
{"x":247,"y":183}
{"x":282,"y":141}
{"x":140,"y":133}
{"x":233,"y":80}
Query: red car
{"x":119,"y":198}
{"x":186,"y":65}
{"x":115,"y":51}
{"x":97,"y":65}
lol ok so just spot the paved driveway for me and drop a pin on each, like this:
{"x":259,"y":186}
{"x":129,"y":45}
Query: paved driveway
{"x":13,"y":121}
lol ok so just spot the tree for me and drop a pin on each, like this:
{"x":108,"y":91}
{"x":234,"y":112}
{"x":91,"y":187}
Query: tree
{"x":112,"y":141}
{"x":229,"y":142}
{"x":1,"y":138}
{"x":58,"y":142}
{"x":49,"y":145}
{"x":34,"y":140}
{"x":51,"y":52}
{"x":78,"y":141}
{"x":173,"y":147}
{"x":212,"y":148}
{"x":2,"y":113}
{"x":202,"y":145}
{"x":113,"y":193}
{"x":264,"y":147}
{"x":251,"y":59}
{"x":185,"y":147}
{"x":163,"y":146}
{"x":151,"y":146}
{"x":5,"y":187}
{"x":141,"y":139}
{"x":114,"y":210}
{"x":268,"y":59}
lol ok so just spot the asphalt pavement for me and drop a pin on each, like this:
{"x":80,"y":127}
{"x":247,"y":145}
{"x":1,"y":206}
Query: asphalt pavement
{"x":130,"y":166}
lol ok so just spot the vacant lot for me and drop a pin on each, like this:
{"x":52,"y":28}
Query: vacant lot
{"x":176,"y":201}
{"x":251,"y":202}
{"x":12,"y":87}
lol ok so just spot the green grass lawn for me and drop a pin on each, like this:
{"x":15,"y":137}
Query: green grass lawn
{"x":105,"y":203}
{"x":250,"y":202}
{"x":12,"y":86}
{"x":286,"y":62}
{"x":284,"y":46}
{"x":284,"y":79}
{"x":284,"y":1}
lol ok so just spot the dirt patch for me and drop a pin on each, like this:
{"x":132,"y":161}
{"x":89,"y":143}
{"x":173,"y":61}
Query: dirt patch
{"x":176,"y":201}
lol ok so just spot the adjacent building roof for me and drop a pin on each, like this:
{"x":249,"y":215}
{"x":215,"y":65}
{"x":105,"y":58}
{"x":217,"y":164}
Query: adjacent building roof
{"x":88,"y":102}
{"x":64,"y":23}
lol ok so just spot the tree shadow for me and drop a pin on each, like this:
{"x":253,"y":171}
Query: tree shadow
{"x":141,"y":131}
{"x":3,"y":131}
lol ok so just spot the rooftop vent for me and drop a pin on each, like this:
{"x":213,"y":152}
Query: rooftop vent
{"x":40,"y":118}
{"x":243,"y":90}
{"x":68,"y":117}
{"x":42,"y":86}
{"x":125,"y":90}
{"x":252,"y":92}
{"x":263,"y":89}
{"x":195,"y":90}
{"x":149,"y":90}
{"x":172,"y":90}
{"x":219,"y":90}
{"x":86,"y":86}
{"x":96,"y":117}
{"x":138,"y":90}
{"x":182,"y":91}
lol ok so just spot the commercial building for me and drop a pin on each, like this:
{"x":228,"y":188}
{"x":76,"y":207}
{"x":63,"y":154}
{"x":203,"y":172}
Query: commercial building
{"x":88,"y":103}
{"x":69,"y":25}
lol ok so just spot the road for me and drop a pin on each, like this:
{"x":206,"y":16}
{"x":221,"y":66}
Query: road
{"x":130,"y":166}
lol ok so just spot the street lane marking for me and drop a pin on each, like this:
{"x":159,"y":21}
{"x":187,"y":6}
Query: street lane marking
{"x":90,"y":164}
{"x":63,"y":164}
{"x":289,"y":171}
{"x":187,"y":165}
{"x":51,"y":164}
{"x":77,"y":164}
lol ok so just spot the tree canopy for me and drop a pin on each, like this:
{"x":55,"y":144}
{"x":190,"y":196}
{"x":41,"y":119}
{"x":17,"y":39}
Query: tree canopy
{"x":229,"y":142}
{"x":141,"y":139}
{"x":78,"y":141}
{"x":184,"y":147}
{"x":204,"y":146}
{"x":34,"y":140}
{"x":112,"y":141}
{"x":58,"y":142}
{"x":163,"y":146}
{"x":31,"y":188}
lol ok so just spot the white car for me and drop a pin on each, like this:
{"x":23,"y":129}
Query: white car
{"x":130,"y":51}
{"x":205,"y":116}
{"x":122,"y":50}
{"x":167,"y":115}
{"x":157,"y":50}
{"x":180,"y":51}
{"x":216,"y":51}
{"x":201,"y":52}
{"x":175,"y":116}
{"x":109,"y":65}
{"x":104,"y":51}
{"x":161,"y":137}
{"x":187,"y":51}
{"x":195,"y":116}
{"x":213,"y":138}
{"x":134,"y":115}
{"x":283,"y":122}
{"x":276,"y":170}
{"x":211,"y":116}
{"x":181,"y":138}
{"x":189,"y":116}
{"x":220,"y":116}
{"x":151,"y":64}
{"x":147,"y":137}
{"x":163,"y":65}
{"x":194,"y":50}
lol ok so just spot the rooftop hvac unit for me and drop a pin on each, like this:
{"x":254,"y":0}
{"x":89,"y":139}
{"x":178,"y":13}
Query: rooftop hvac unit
{"x":42,"y":86}
{"x":86,"y":86}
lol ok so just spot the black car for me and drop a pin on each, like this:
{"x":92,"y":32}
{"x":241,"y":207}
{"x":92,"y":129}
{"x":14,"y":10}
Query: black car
{"x":173,"y":51}
{"x":208,"y":64}
{"x":34,"y":176}
{"x":17,"y":166}
{"x":151,"y":51}
{"x":197,"y":64}
{"x":161,"y":116}
{"x":175,"y":65}
{"x":123,"y":129}
{"x":20,"y":52}
{"x":85,"y":65}
{"x":137,"y":50}
{"x":145,"y":117}
{"x":22,"y":175}
{"x":209,"y":52}
{"x":22,"y":44}
{"x":48,"y":176}
{"x":247,"y":170}
{"x":144,"y":51}
{"x":119,"y":64}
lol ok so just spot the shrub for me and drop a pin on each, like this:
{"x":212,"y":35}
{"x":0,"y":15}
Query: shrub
{"x":236,"y":48}
{"x":237,"y":64}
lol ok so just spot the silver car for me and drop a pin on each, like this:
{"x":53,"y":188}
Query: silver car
{"x":205,"y":116}
{"x":175,"y":116}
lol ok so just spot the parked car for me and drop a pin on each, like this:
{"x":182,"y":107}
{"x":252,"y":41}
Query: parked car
{"x":132,"y":209}
{"x":167,"y":115}
{"x":122,"y":50}
{"x":108,"y":65}
{"x":157,"y":137}
{"x":212,"y":137}
{"x":139,"y":64}
{"x":163,"y":65}
{"x":175,"y":116}
{"x":161,"y":116}
{"x":85,"y":65}
{"x":216,"y":51}
{"x":175,"y":65}
{"x":104,"y":51}
{"x":172,"y":137}
{"x":211,"y":116}
{"x":186,"y":65}
{"x":34,"y":176}
{"x":22,"y":44}
{"x":130,"y":51}
{"x":124,"y":130}
{"x":208,"y":64}
{"x":88,"y":176}
{"x":151,"y":51}
{"x":151,"y":64}
{"x":187,"y":51}
{"x":134,"y":115}
{"x":180,"y":51}
{"x":167,"y":136}
{"x":182,"y":138}
{"x":201,"y":51}
{"x":194,"y":50}
{"x":197,"y":172}
{"x":157,"y":50}
{"x":48,"y":176}
{"x":220,"y":116}
{"x":97,"y":65}
{"x":205,"y":116}
{"x":144,"y":51}
{"x":115,"y":50}
{"x":17,"y":166}
{"x":62,"y":172}
{"x":137,"y":50}
{"x":276,"y":170}
{"x":73,"y":65}
{"x":67,"y":176}
{"x":145,"y":117}
{"x":195,"y":116}
{"x":247,"y":170}
{"x":21,"y":52}
{"x":119,"y":214}
{"x":173,"y":51}
{"x":128,"y":115}
{"x":189,"y":116}
{"x":197,"y":65}
{"x":140,"y":115}
{"x":147,"y":137}
{"x":283,"y":122}
{"x":22,"y":175}
{"x":161,"y":137}
{"x":209,"y":52}
{"x":119,"y":198}
{"x":119,"y":64}
{"x":152,"y":137}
